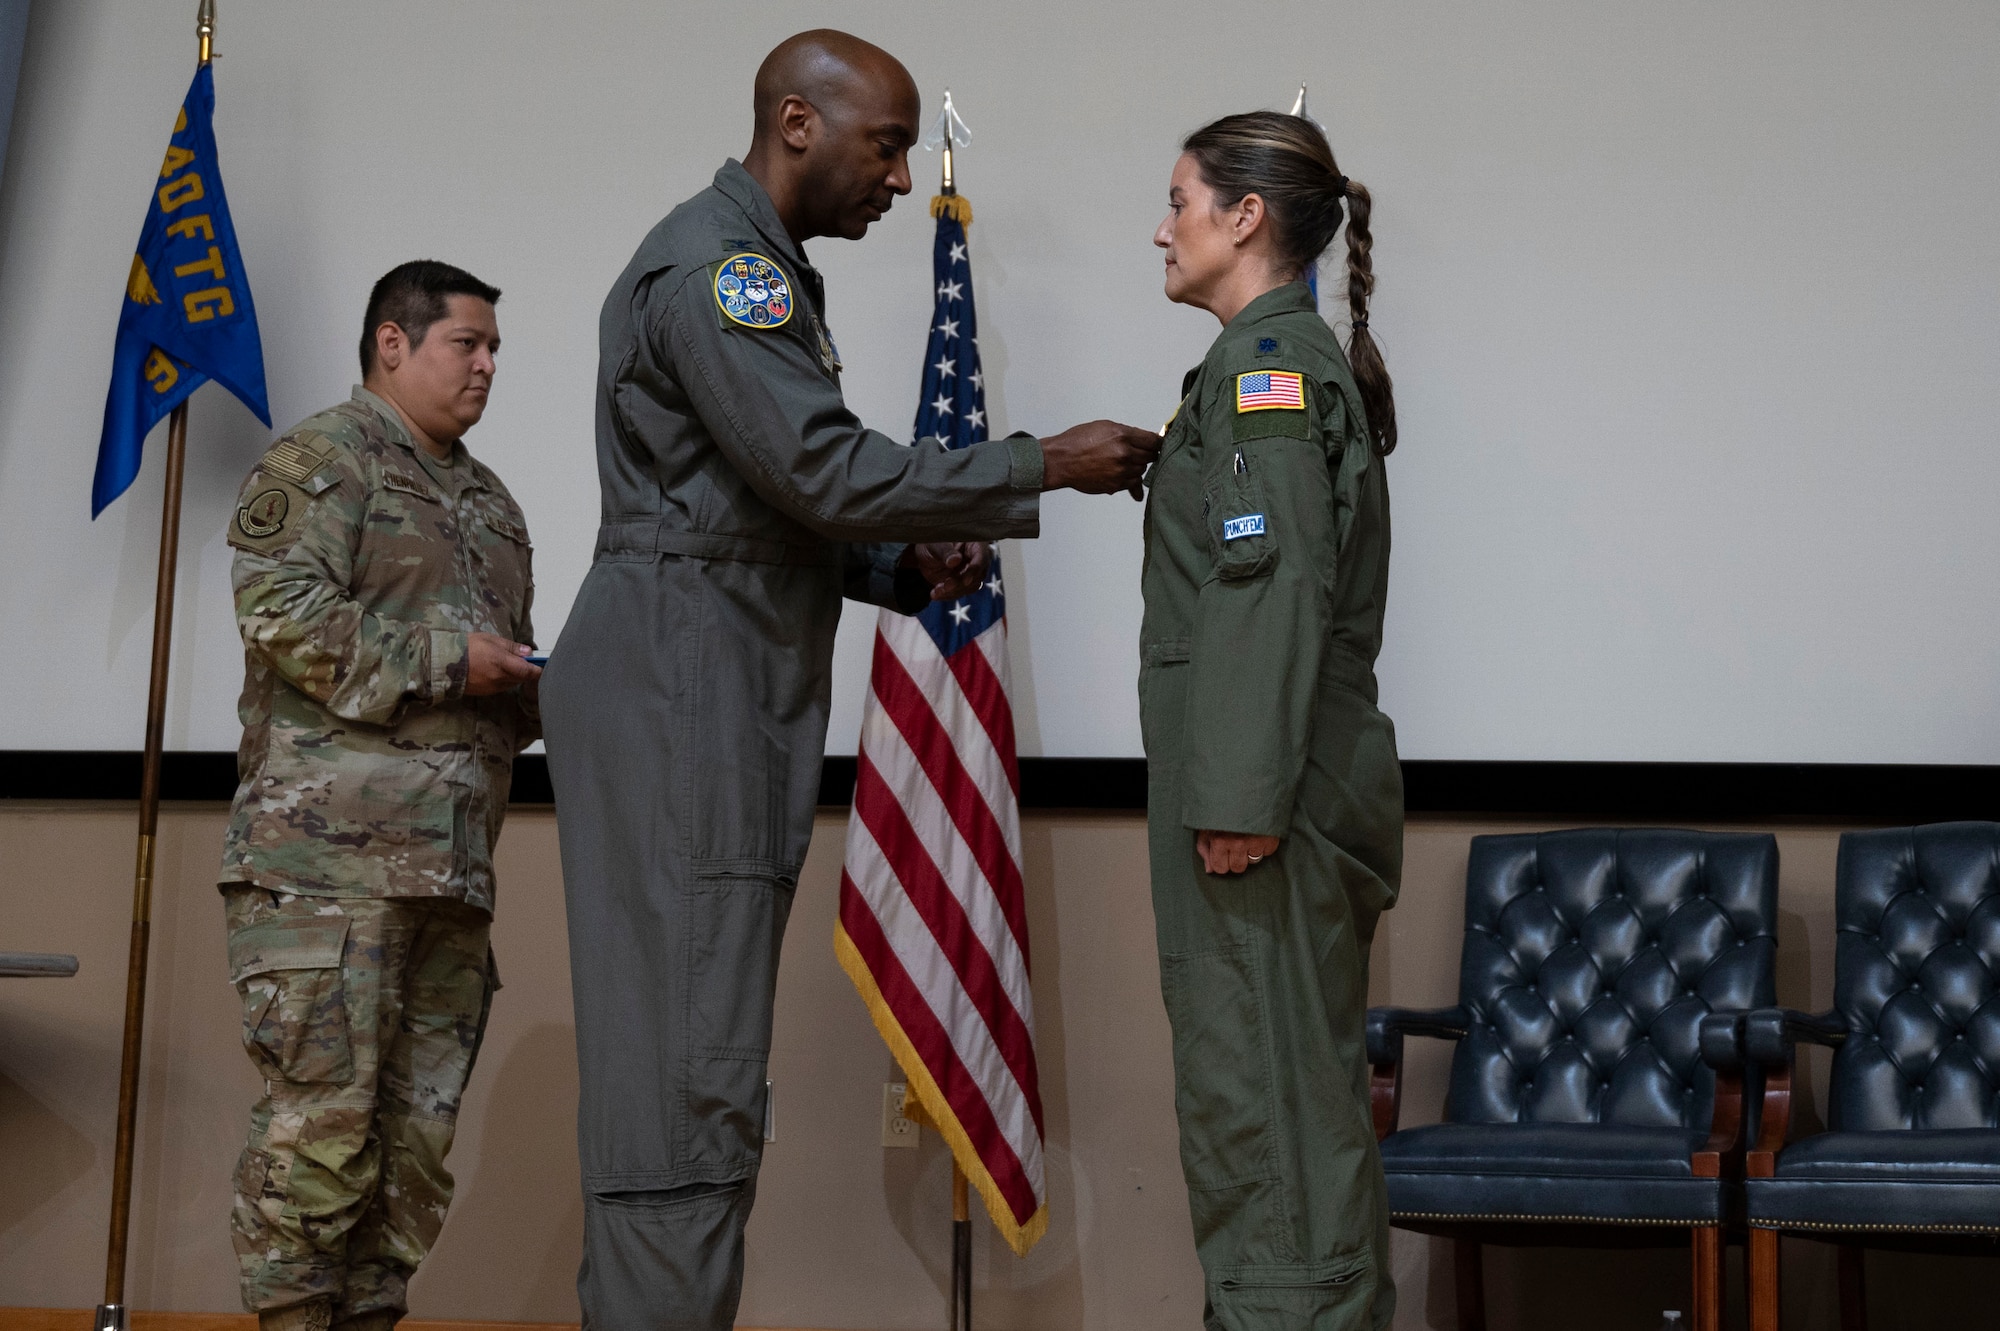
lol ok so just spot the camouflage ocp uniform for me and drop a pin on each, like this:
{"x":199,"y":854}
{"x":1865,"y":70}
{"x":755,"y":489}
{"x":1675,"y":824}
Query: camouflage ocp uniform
{"x":357,"y":871}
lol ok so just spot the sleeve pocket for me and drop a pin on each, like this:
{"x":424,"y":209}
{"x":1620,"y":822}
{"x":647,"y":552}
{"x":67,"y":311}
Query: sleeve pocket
{"x":294,"y":1003}
{"x":1240,"y":531}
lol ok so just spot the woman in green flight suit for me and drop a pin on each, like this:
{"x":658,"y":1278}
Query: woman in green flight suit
{"x":1276,"y":803}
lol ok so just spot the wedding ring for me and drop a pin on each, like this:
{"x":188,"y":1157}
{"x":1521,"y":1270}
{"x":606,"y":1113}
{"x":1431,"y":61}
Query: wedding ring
{"x":1255,"y":858}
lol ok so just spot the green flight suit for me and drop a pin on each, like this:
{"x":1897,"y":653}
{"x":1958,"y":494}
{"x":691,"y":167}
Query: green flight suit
{"x":1267,"y":560}
{"x":686,"y":709}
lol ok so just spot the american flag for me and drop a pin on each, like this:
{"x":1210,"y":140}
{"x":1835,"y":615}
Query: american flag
{"x":933,"y":926}
{"x":1270,"y":388}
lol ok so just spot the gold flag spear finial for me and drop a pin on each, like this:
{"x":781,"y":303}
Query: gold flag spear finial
{"x":204,"y":29}
{"x":949,"y":130}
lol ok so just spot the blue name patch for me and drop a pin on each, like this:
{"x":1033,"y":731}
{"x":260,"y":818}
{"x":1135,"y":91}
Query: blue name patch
{"x":1250,"y":524}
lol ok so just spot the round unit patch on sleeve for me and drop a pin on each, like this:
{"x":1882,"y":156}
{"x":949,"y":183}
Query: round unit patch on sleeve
{"x":753,"y":291}
{"x":264,"y":515}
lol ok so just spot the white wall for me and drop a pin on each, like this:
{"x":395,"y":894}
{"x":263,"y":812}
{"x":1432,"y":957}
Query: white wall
{"x":1693,"y":309}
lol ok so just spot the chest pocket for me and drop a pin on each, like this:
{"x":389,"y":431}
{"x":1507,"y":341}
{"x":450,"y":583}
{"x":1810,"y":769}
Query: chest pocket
{"x":505,"y":568}
{"x":513,"y":531}
{"x":410,"y":485}
{"x":1240,"y":532}
{"x":406,"y":506}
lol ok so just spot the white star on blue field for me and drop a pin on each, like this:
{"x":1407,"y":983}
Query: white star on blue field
{"x":952,"y":408}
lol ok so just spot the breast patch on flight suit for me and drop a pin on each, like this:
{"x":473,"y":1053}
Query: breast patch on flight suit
{"x":752,"y":291}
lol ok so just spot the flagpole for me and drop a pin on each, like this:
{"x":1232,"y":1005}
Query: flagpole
{"x":961,"y":1251}
{"x":961,"y":1209}
{"x":112,"y":1314}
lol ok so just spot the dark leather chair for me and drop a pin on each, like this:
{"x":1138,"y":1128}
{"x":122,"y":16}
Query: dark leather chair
{"x":1597,"y":1091}
{"x":1912,"y":1156}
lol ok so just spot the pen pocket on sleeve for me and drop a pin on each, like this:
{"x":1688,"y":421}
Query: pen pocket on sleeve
{"x":1240,"y":532}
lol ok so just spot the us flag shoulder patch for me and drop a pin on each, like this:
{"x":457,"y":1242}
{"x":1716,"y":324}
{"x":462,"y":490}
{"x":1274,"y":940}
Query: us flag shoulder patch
{"x":1270,"y":390}
{"x":289,"y":462}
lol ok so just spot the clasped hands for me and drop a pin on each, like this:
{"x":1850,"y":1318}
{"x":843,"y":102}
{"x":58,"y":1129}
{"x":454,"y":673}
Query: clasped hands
{"x":1100,"y":457}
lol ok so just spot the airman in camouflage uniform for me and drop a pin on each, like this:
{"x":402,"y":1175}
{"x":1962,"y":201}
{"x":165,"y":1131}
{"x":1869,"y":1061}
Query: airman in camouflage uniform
{"x":382,"y":591}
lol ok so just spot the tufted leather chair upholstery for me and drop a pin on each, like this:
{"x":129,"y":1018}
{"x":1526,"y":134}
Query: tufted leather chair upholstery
{"x":1579,"y":1090}
{"x":1917,"y":977}
{"x":1914,"y":1107}
{"x":1590,"y":959}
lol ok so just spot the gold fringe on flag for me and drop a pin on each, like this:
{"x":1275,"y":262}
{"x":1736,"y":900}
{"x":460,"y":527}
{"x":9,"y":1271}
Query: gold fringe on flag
{"x":955,"y":206}
{"x":928,"y":1097}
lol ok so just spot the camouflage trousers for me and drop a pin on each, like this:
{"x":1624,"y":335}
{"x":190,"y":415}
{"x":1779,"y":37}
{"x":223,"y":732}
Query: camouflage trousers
{"x":364,"y":1017}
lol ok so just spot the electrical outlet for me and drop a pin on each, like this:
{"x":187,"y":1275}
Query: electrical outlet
{"x":897,"y":1132}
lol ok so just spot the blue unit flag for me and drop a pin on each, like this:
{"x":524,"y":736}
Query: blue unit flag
{"x":187,"y":316}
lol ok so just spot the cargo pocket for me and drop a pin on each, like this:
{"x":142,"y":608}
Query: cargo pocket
{"x":1222,"y":1067}
{"x":1163,"y":701}
{"x":294,"y":1006}
{"x":736,"y":927}
{"x":1310,"y":1296}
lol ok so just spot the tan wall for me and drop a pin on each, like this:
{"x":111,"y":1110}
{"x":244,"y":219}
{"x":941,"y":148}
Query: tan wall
{"x":846,"y":1234}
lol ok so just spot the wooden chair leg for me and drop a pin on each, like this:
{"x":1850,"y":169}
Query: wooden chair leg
{"x":1469,"y":1275}
{"x":1853,"y":1287}
{"x":1707,"y":1250}
{"x":1762,"y":1268}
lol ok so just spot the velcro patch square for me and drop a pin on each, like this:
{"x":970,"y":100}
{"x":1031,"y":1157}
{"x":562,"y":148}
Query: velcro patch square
{"x":288,"y":462}
{"x":1270,"y":390}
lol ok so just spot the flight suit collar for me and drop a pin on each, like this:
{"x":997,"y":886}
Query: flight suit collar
{"x":742,"y":189}
{"x":1287,"y":299}
{"x":399,"y":434}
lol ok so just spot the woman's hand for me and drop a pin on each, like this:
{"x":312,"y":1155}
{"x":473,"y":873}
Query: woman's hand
{"x":1232,"y":852}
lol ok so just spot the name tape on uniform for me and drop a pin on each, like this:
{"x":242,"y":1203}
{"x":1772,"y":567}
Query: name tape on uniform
{"x":753,"y":291}
{"x":1270,"y":390}
{"x":1250,"y":524}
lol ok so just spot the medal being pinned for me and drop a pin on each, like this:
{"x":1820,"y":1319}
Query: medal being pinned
{"x":829,"y":354}
{"x":752,"y":291}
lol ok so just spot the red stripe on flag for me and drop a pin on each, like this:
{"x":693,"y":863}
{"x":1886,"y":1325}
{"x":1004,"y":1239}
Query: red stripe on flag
{"x":887,"y":821}
{"x":928,"y":1038}
{"x":989,"y":703}
{"x":910,"y":711}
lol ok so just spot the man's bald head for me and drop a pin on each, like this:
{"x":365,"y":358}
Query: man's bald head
{"x":836,"y":119}
{"x":830,"y":70}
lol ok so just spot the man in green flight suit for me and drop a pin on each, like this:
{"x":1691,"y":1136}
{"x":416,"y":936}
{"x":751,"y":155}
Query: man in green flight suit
{"x":686,"y":702}
{"x":382,"y":590}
